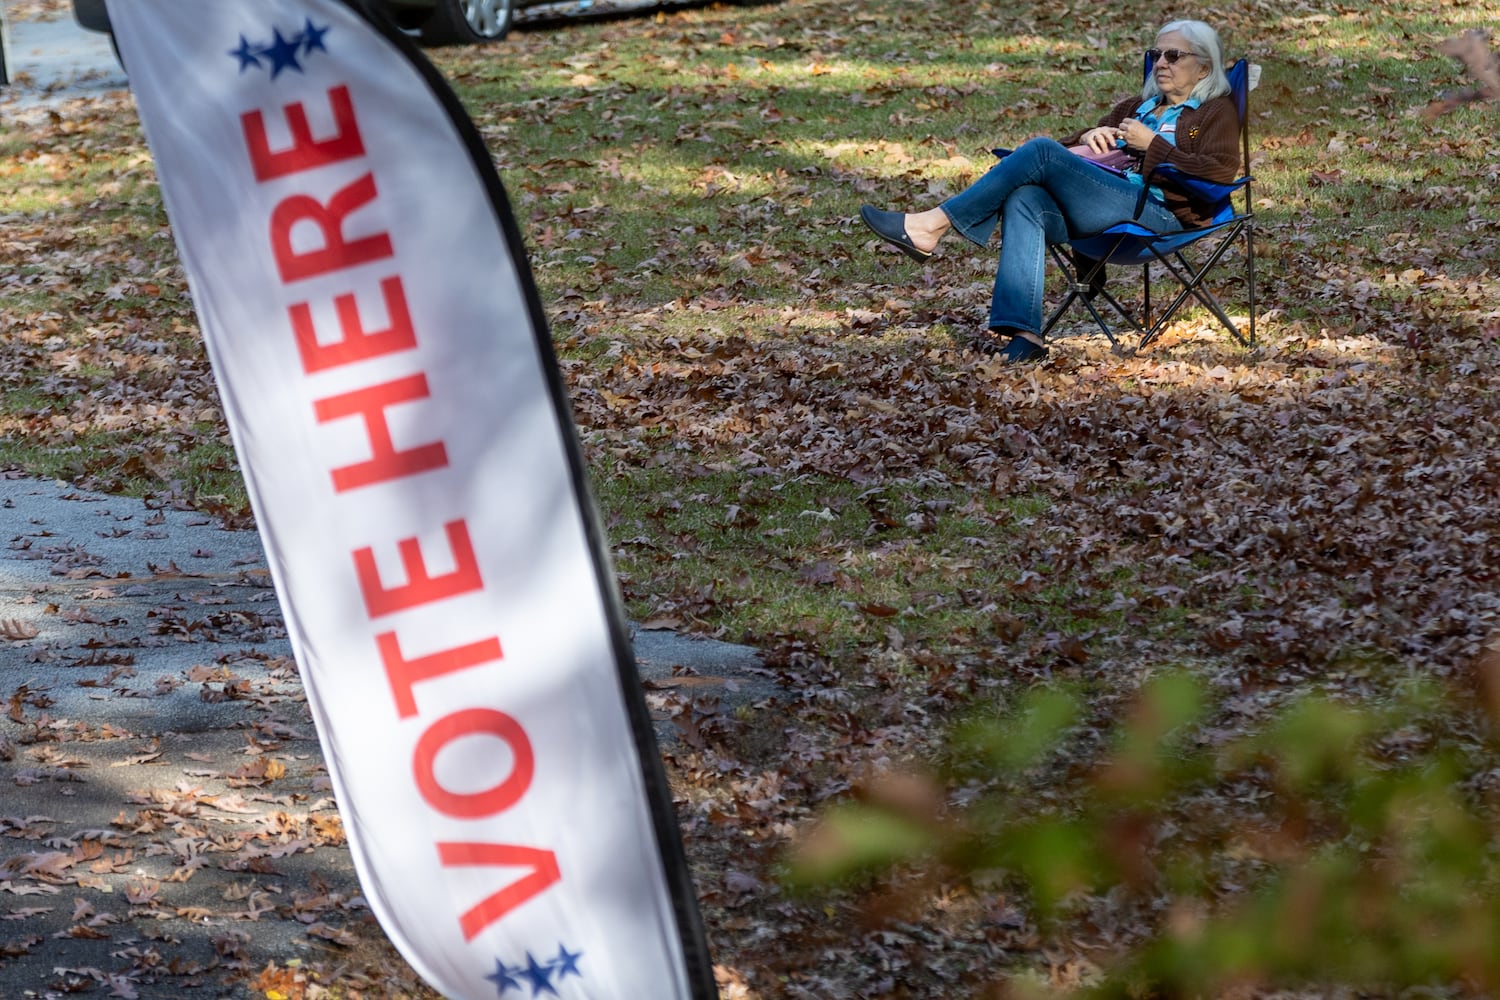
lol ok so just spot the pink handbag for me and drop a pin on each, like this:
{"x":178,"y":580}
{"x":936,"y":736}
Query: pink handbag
{"x":1118,"y":160}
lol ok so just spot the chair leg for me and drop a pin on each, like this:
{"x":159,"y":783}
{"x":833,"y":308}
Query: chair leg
{"x":1211,"y":303}
{"x":1250,"y":274}
{"x":1087,"y":301}
{"x":1191,"y":277}
{"x":1092,"y":273}
{"x":1086,"y":283}
{"x":1146,"y":296}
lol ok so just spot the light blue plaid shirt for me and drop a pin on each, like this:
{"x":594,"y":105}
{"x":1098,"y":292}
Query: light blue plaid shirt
{"x":1162,"y":121}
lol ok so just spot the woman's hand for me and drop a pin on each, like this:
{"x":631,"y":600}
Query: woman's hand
{"x":1137,"y":134}
{"x":1101,"y":139}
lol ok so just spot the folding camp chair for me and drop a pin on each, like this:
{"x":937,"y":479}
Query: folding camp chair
{"x":1130,"y":243}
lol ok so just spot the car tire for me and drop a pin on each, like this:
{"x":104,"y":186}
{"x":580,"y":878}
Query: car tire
{"x":468,"y":22}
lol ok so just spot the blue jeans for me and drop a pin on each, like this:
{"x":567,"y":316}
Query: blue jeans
{"x":1041,"y":194}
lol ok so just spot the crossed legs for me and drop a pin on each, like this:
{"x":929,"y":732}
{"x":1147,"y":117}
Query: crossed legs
{"x":1038,"y":194}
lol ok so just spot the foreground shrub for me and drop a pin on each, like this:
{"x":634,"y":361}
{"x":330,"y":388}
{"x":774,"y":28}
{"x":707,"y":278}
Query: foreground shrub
{"x":1349,"y":844}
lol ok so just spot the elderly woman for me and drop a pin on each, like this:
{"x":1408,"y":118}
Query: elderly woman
{"x":1043,"y":192}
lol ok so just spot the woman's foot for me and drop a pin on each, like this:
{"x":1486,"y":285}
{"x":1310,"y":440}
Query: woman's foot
{"x":927,"y":229}
{"x":1011,"y":346}
{"x":914,"y":235}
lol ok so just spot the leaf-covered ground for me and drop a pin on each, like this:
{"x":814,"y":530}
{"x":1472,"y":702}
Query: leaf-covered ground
{"x":793,"y":447}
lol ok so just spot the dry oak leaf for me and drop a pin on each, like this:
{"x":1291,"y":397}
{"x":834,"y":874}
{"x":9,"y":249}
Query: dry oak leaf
{"x":15,"y":629}
{"x":264,"y":769}
{"x":337,"y":935}
{"x":139,"y":893}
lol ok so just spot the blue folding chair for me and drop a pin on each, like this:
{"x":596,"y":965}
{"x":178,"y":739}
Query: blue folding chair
{"x":1130,"y":243}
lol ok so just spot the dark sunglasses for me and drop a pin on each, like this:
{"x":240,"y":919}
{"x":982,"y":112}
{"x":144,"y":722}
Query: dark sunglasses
{"x":1170,"y":55}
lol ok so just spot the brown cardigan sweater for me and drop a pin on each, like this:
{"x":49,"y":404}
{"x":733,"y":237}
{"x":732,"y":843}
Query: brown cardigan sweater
{"x":1208,"y":146}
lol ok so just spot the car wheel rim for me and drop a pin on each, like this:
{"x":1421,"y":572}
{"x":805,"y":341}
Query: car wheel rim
{"x":487,"y":17}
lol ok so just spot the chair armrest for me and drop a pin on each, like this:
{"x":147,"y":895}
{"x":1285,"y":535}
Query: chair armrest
{"x":1207,"y":190}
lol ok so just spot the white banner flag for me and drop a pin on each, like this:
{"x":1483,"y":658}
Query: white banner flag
{"x":390,"y":385}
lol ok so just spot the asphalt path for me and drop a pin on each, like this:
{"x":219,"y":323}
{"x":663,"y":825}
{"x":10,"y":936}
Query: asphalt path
{"x":53,"y":61}
{"x":116,"y":563}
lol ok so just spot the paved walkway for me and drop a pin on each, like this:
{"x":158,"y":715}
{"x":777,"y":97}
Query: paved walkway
{"x":85,"y":570}
{"x":56,"y":60}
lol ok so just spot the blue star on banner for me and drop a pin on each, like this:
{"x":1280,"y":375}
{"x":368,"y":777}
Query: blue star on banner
{"x":246,"y":55}
{"x":312,"y":37}
{"x":539,"y":976}
{"x":281,"y":52}
{"x":566,"y":963}
{"x":504,"y":977}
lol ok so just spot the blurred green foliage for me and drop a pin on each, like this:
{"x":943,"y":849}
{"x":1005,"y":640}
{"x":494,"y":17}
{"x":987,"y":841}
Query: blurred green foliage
{"x":1341,"y":844}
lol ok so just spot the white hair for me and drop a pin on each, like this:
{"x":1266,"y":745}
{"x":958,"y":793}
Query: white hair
{"x":1205,"y":44}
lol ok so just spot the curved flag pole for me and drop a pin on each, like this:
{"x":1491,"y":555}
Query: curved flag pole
{"x":389,"y":381}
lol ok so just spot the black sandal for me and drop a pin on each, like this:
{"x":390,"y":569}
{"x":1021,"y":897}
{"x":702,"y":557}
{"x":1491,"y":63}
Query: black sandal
{"x":891,"y":227}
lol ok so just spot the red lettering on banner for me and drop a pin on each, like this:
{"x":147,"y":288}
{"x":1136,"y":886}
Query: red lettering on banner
{"x":355,"y":343}
{"x":319,"y":221}
{"x":544,"y":873}
{"x":305,"y":152}
{"x":420,"y":588}
{"x":386,"y":462}
{"x":473,"y":722}
{"x":403,"y":674}
{"x":336,"y":253}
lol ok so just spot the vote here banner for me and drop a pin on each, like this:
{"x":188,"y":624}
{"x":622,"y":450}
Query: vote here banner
{"x":389,"y":382}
